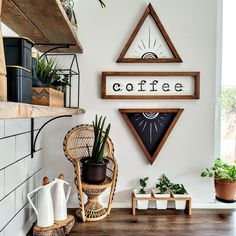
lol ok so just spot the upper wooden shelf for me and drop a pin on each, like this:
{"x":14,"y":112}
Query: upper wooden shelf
{"x":43,"y":21}
{"x":12,"y":110}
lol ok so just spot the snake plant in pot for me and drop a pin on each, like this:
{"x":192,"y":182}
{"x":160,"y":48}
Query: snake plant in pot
{"x":94,"y":167}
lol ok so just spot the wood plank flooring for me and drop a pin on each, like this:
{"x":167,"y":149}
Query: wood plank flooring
{"x":165,"y":223}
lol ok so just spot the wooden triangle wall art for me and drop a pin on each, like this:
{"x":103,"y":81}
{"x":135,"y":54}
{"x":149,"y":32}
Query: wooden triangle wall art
{"x":151,"y":127}
{"x":149,"y":43}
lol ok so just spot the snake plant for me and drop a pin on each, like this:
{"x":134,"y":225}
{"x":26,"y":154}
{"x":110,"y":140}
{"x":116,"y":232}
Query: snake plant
{"x":100,"y":139}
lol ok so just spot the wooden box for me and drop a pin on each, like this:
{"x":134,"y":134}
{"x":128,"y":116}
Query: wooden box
{"x":47,"y":97}
{"x":3,"y":88}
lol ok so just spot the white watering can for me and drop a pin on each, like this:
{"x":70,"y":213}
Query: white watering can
{"x":45,"y":214}
{"x":60,"y":199}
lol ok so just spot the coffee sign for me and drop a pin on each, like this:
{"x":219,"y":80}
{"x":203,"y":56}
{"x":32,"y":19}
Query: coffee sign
{"x":150,"y":85}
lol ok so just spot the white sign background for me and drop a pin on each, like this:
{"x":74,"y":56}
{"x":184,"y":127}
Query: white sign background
{"x":124,"y":86}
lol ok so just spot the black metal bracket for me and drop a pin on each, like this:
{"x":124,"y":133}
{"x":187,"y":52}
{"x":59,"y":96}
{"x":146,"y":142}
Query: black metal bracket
{"x":34,"y":139}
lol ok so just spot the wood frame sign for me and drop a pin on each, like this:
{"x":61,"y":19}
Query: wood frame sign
{"x":150,"y":85}
{"x":149,"y":42}
{"x":151,"y":127}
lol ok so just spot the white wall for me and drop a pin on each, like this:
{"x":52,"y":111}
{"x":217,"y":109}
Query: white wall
{"x":192,"y":27}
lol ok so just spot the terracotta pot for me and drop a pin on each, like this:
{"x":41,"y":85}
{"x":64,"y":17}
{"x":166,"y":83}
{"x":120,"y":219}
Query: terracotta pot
{"x":94,"y":173}
{"x":225,"y":190}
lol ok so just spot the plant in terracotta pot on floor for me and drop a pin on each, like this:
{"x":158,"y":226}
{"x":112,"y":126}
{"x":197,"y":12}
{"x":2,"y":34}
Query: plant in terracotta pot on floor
{"x":225,"y":180}
{"x":162,"y":190}
{"x":142,"y":193}
{"x":94,"y":167}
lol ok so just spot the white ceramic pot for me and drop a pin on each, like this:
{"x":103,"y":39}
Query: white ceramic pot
{"x":180,"y":204}
{"x":161,"y":204}
{"x":141,"y":204}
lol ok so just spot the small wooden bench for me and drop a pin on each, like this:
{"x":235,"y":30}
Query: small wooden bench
{"x":188,"y":208}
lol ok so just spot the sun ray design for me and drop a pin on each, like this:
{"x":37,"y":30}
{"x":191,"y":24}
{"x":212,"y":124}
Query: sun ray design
{"x":150,"y":132}
{"x":149,"y":37}
{"x":154,"y":44}
{"x":144,"y":126}
{"x":143,"y":44}
{"x":141,"y":122}
{"x":155,"y":125}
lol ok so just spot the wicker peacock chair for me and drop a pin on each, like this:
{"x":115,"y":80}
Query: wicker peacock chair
{"x":76,"y":144}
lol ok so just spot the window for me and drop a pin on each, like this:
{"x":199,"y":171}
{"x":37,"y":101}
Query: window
{"x":228,"y":93}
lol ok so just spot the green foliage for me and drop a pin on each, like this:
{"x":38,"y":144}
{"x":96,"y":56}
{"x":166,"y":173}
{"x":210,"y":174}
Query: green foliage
{"x":221,"y":170}
{"x":143,"y":184}
{"x":166,"y":186}
{"x":49,"y":73}
{"x":99,"y":139}
{"x":178,"y":189}
{"x":228,"y":100}
{"x":163,"y":184}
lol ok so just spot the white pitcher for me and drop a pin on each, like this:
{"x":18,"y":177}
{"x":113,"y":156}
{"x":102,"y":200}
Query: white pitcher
{"x":60,"y":199}
{"x":45,"y":214}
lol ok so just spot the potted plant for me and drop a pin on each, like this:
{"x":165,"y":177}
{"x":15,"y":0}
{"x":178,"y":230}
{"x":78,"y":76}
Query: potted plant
{"x":225,"y":180}
{"x":179,"y":191}
{"x":142,"y":193}
{"x":162,"y":190}
{"x":94,"y":167}
{"x":49,"y":83}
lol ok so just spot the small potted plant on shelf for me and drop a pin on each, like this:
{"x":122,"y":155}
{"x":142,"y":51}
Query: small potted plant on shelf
{"x":179,"y":191}
{"x":94,"y":167}
{"x":162,"y":191}
{"x":225,"y":180}
{"x":142,"y":193}
{"x":48,"y":83}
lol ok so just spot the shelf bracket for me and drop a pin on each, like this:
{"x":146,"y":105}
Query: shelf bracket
{"x":34,"y":139}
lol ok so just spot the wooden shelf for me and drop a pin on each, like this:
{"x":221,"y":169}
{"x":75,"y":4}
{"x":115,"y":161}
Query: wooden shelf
{"x":12,"y":110}
{"x":44,"y":22}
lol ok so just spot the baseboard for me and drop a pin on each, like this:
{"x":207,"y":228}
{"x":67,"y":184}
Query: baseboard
{"x":210,"y":205}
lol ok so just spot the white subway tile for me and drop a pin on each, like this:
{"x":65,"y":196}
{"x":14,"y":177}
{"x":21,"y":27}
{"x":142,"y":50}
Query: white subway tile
{"x":39,"y":122}
{"x":1,"y":185}
{"x":2,"y":132}
{"x":7,"y":210}
{"x":39,"y":140}
{"x":22,"y":222}
{"x":7,"y":151}
{"x":14,"y":175}
{"x":23,"y":145}
{"x":32,"y":164}
{"x":17,"y":126}
{"x":23,"y":190}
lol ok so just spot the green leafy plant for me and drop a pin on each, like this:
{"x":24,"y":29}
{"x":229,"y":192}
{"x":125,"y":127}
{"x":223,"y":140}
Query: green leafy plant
{"x":49,"y":73}
{"x":143,"y":184}
{"x":178,"y":189}
{"x":221,"y":170}
{"x":100,"y":138}
{"x":163,"y":184}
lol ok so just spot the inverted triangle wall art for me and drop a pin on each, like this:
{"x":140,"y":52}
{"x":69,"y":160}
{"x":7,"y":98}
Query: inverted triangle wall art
{"x":151,"y":127}
{"x":149,"y":43}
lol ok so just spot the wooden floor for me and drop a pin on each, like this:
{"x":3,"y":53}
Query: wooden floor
{"x":164,"y":223}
